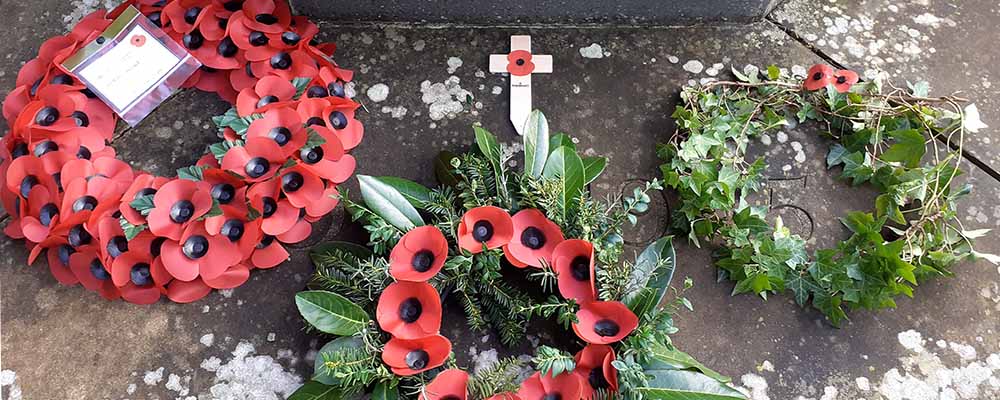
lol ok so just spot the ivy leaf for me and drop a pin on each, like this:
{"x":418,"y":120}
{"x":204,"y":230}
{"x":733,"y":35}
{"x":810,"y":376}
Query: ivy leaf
{"x":859,"y":222}
{"x":331,"y":313}
{"x":919,"y":89}
{"x":389,"y":203}
{"x":313,"y":390}
{"x":193,"y":173}
{"x":908,"y":149}
{"x":836,"y":155}
{"x":592,"y":168}
{"x":143,"y":204}
{"x":802,"y":287}
{"x":857,"y":167}
{"x":567,"y":167}
{"x":536,"y":144}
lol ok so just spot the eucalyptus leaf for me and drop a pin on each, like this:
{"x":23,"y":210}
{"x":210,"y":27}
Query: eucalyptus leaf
{"x":536,"y":144}
{"x":389,"y":203}
{"x":331,"y":313}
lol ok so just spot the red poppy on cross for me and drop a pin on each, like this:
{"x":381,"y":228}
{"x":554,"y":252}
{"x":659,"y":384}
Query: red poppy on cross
{"x":520,"y":64}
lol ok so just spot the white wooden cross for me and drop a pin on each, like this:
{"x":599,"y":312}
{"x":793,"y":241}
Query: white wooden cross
{"x":520,"y":63}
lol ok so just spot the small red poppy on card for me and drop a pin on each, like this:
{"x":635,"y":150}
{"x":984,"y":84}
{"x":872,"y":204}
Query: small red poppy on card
{"x":563,"y":386}
{"x":573,"y":261}
{"x":485,"y":227}
{"x":409,"y":310}
{"x":604,"y":322}
{"x":411,"y":357}
{"x":534,"y":239}
{"x":419,"y":255}
{"x":450,"y":384}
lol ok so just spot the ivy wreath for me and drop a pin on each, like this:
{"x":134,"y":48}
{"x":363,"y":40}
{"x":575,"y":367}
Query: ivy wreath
{"x":128,"y":234}
{"x":905,"y":144}
{"x":458,"y":243}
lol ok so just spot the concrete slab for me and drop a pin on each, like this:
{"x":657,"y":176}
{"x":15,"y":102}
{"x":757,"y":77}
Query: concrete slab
{"x":945,"y":43}
{"x":618,"y":105}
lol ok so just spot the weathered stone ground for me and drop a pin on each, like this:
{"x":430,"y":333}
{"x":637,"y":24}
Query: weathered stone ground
{"x":64,"y":343}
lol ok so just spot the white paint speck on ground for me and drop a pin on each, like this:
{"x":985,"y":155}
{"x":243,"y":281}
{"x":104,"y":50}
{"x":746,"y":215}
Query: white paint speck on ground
{"x":693,"y":66}
{"x":153,"y":377}
{"x":454,"y":63}
{"x":397,"y":112}
{"x":593,"y":51}
{"x":378,"y":92}
{"x":444,"y":99}
{"x":419,"y":45}
{"x":497,"y":90}
{"x":754,"y":387}
{"x":765,"y":139}
{"x":272,"y":337}
{"x":8,"y":379}
{"x":250,"y":377}
{"x":863,"y":383}
{"x":781,"y":136}
{"x":207,"y":339}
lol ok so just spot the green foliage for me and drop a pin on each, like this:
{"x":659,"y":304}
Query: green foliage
{"x":389,"y":203}
{"x":881,"y":139}
{"x":553,"y":361}
{"x":331,"y":313}
{"x":131,"y":231}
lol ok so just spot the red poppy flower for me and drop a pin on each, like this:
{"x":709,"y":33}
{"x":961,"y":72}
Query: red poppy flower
{"x":187,"y":292}
{"x":267,"y":93}
{"x":450,"y":384}
{"x":331,"y":77}
{"x":86,"y":264}
{"x":604,"y":322}
{"x":27,"y":173}
{"x":267,"y":15}
{"x":487,"y":226}
{"x":268,"y":253}
{"x":573,"y":261}
{"x":288,"y":65}
{"x":283,"y":126}
{"x":184,"y":16}
{"x":242,"y":78}
{"x":818,"y":77}
{"x":301,"y":186}
{"x":519,"y":63}
{"x":593,"y":365}
{"x":199,"y":254}
{"x":117,"y":172}
{"x":257,"y":160}
{"x":111,"y":239}
{"x":277,"y":215}
{"x":411,"y":357}
{"x":409,"y":310}
{"x":234,"y":225}
{"x":57,"y":104}
{"x":132,"y":273}
{"x":505,"y":396}
{"x":58,"y":258}
{"x":226,"y":189}
{"x":843,"y":80}
{"x":90,"y":26}
{"x":419,"y":255}
{"x":535,"y":237}
{"x":41,"y":215}
{"x":328,"y":160}
{"x":215,"y":81}
{"x":88,"y":194}
{"x":96,"y":115}
{"x":340,"y":117}
{"x":177,"y":204}
{"x":326,"y":203}
{"x":257,"y":45}
{"x":143,"y":185}
{"x":563,"y":386}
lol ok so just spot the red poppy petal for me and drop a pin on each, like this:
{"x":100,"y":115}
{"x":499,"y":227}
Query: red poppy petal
{"x":451,"y":384}
{"x":233,"y":277}
{"x":140,"y":294}
{"x":283,"y":219}
{"x":505,"y":396}
{"x":499,"y":220}
{"x":591,"y":314}
{"x":563,"y":258}
{"x":187,"y":292}
{"x":60,"y":271}
{"x":512,"y":259}
{"x":176,"y":263}
{"x":394,"y":354}
{"x":269,"y":256}
{"x":299,"y":232}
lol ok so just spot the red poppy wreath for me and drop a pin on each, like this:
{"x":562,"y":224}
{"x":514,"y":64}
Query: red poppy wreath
{"x":128,"y":234}
{"x":471,"y":242}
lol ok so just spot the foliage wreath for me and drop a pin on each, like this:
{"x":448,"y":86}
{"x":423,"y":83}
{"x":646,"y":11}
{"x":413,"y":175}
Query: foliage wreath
{"x":880,"y":136}
{"x":453,"y":242}
{"x":131,"y":235}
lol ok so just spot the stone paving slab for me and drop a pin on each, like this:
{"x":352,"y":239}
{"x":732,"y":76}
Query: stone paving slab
{"x":618,"y":106}
{"x":948,"y":43}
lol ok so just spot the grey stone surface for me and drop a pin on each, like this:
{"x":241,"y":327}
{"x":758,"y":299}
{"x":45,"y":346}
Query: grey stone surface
{"x":539,"y":11}
{"x":67,"y":343}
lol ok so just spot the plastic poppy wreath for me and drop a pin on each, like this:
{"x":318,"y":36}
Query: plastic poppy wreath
{"x":127,"y":234}
{"x":459,"y":244}
{"x":881,"y":136}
